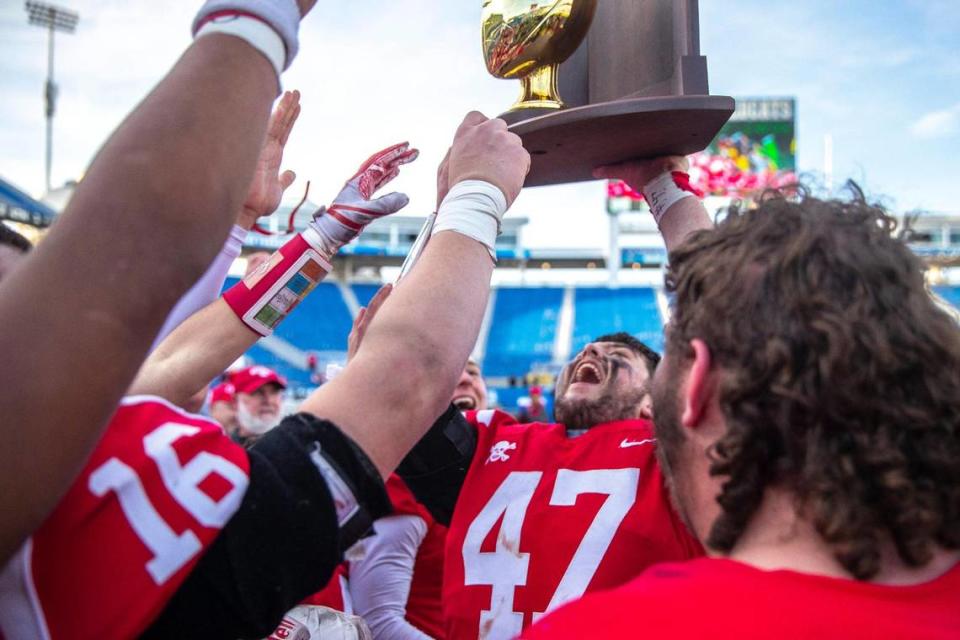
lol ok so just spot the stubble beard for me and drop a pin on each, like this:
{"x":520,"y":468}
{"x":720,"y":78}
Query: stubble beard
{"x":584,"y":413}
{"x":666,"y":428}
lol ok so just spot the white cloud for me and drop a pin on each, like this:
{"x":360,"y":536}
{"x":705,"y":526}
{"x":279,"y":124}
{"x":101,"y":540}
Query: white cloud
{"x":935,"y":124}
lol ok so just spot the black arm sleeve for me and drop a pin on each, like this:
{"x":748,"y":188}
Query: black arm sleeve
{"x":284,"y":541}
{"x":437,"y":466}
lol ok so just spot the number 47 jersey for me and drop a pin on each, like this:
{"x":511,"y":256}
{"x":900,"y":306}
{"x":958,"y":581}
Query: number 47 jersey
{"x":543,"y":518}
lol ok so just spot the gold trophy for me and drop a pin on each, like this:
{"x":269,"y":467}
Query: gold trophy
{"x":528,"y":39}
{"x":633,"y":78}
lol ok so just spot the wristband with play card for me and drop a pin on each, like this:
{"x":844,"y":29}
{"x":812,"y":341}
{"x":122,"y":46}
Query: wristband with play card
{"x":265,"y":297}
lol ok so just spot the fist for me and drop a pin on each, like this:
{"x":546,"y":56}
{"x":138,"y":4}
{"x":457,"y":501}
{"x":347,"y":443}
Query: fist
{"x":484,"y":150}
{"x":638,"y":173}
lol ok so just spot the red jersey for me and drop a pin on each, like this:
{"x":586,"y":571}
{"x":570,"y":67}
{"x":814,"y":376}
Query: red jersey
{"x":543,"y":518}
{"x":423,"y":604}
{"x":732,"y":600}
{"x":153,"y":496}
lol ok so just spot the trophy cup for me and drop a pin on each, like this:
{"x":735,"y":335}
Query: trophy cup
{"x":633,"y":82}
{"x":529,"y":39}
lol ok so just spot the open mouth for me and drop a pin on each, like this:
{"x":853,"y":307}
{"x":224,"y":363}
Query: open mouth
{"x":587,"y":372}
{"x":465,"y":403}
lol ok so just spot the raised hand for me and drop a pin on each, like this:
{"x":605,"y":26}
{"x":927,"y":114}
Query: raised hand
{"x":638,"y":173}
{"x":268,"y":184}
{"x":353,"y":208}
{"x":485,"y":150}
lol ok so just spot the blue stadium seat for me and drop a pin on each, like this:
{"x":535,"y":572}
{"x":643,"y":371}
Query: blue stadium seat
{"x":523,"y":330}
{"x":950,"y":294}
{"x":631,"y":309}
{"x":364,"y":292}
{"x":296,"y":377}
{"x":321,"y":322}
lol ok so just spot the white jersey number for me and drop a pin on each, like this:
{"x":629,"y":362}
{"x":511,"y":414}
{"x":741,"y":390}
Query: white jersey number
{"x":506,"y":568}
{"x":171,"y":551}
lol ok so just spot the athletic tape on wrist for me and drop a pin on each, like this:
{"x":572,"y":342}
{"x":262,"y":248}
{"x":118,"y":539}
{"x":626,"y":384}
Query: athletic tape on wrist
{"x":264,"y":298}
{"x":473,"y":208}
{"x":666,"y":190}
{"x":283,"y":16}
{"x":255,"y":32}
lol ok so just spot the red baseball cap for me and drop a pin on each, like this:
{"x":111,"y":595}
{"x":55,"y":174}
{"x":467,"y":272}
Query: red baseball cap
{"x":252,"y":378}
{"x":223,"y":392}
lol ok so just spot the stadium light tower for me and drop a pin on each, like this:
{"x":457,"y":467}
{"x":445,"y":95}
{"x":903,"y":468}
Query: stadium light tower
{"x":54,"y":19}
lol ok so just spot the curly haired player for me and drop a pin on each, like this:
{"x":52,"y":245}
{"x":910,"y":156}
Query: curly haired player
{"x":808,"y":417}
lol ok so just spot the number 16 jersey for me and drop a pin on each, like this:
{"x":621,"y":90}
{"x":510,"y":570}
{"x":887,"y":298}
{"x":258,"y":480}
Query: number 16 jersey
{"x":543,"y":518}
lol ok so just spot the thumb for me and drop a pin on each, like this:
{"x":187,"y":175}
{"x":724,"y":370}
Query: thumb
{"x":286,"y":179}
{"x":391,"y":203}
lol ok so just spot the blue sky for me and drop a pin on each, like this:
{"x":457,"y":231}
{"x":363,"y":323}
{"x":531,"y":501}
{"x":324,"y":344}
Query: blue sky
{"x":883,"y":78}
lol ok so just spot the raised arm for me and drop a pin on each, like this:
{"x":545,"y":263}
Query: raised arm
{"x":677,"y":212}
{"x":166,"y":183}
{"x":206,"y":343}
{"x":263,"y":197}
{"x":415,"y":348}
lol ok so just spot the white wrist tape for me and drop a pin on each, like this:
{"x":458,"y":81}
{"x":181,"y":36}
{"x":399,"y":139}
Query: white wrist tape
{"x":257,"y":33}
{"x":662,"y":193}
{"x":283,"y":16}
{"x":473,"y":208}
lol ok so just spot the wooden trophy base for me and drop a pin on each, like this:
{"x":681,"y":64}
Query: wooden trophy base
{"x":567,"y":145}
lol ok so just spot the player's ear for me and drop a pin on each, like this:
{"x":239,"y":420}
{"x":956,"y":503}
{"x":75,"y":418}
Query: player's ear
{"x":646,"y":408}
{"x":699,"y":388}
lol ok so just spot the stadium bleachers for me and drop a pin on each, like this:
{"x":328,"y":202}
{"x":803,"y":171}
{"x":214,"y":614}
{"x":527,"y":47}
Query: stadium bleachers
{"x":297,"y":377}
{"x":320,"y":323}
{"x":364,"y":292}
{"x":950,"y":294}
{"x":603,"y":310}
{"x":523,"y":329}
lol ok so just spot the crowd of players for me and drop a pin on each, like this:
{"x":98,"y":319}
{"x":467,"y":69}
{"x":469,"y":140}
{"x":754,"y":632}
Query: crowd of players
{"x":790,"y":468}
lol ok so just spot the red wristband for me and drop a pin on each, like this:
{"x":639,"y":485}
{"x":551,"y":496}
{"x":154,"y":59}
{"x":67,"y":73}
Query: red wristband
{"x":265,"y":297}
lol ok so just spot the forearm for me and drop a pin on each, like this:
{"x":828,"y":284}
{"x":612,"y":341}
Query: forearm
{"x":681,"y":219}
{"x":171,"y":178}
{"x":413,"y":352}
{"x":208,"y":287}
{"x":197,"y":351}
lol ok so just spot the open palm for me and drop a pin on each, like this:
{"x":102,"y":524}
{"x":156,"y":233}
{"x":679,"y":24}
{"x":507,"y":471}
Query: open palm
{"x":268,"y":184}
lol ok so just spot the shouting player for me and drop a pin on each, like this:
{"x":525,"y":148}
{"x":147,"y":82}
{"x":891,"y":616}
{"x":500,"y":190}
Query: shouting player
{"x":808,"y":419}
{"x":539,"y":514}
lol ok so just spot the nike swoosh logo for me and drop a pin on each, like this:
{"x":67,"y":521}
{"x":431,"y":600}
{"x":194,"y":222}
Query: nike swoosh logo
{"x":636,"y":443}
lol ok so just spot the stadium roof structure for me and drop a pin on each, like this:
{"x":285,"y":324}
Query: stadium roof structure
{"x":17,"y":206}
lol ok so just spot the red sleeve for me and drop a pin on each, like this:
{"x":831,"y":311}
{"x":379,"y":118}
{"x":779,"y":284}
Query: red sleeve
{"x":489,"y":419}
{"x":404,"y":503}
